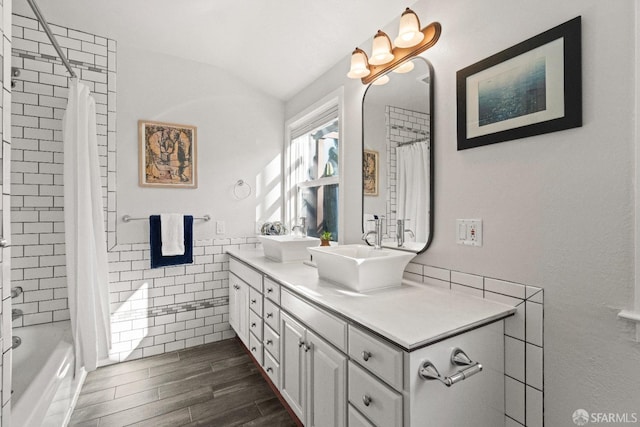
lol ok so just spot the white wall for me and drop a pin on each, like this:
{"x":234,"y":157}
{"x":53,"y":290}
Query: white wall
{"x":240,"y":133}
{"x":557,"y":208}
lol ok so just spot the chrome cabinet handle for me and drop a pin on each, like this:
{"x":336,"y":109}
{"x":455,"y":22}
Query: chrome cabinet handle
{"x":269,"y":290}
{"x":366,"y":400}
{"x":253,"y":301}
{"x":253,"y":349}
{"x":269,"y":369}
{"x":366,"y":355}
{"x":300,"y":343}
{"x":269,"y":315}
{"x":253,"y":325}
{"x":307,"y":347}
{"x":269,"y":342}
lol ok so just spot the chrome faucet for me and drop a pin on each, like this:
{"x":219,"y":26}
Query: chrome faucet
{"x":302,"y":227}
{"x":400,"y":230}
{"x":377,"y":231}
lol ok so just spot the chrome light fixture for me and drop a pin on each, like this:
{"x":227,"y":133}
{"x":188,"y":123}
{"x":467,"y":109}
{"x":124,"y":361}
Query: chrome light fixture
{"x":411,"y":41}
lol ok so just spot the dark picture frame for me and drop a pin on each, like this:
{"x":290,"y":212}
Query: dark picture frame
{"x":532,"y":88}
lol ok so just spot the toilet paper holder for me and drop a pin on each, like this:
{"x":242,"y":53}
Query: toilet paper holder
{"x":428,"y":371}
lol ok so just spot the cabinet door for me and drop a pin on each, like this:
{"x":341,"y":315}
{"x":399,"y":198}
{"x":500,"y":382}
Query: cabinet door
{"x":239,"y":307}
{"x":292,"y":364}
{"x":326,"y":384}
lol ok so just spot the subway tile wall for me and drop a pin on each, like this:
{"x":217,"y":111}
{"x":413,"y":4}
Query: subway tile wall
{"x":402,"y":126}
{"x":5,"y":210}
{"x":523,"y":336}
{"x":38,"y":104}
{"x":165,"y":309}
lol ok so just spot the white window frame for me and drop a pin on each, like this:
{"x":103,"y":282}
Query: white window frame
{"x":290,"y":190}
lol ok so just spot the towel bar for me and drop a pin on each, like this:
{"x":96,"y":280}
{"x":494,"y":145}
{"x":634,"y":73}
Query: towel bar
{"x":127,"y":218}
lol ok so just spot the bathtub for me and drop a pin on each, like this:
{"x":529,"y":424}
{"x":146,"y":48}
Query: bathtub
{"x":43,"y":384}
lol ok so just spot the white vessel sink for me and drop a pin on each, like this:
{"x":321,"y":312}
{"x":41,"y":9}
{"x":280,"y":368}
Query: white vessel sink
{"x":359,"y":267}
{"x":287,"y":248}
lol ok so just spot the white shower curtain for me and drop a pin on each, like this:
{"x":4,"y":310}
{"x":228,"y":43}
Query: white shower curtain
{"x":412,"y":186}
{"x":86,"y":248}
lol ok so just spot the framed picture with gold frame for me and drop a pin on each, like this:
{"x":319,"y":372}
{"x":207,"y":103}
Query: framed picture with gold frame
{"x":370,"y":173}
{"x":168,"y":155}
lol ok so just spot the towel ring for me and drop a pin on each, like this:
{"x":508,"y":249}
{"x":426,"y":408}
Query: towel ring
{"x":241,"y":190}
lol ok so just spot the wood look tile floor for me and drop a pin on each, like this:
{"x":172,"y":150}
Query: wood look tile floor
{"x":212,"y":385}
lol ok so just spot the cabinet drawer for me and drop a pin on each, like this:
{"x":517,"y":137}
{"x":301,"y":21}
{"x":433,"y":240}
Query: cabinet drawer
{"x":272,"y":315}
{"x":271,"y":342}
{"x":272,"y":290}
{"x":255,"y":346}
{"x":255,"y":301}
{"x":272,"y":368}
{"x":382,"y":359}
{"x":377,"y":401}
{"x":249,"y":275}
{"x":356,"y":419}
{"x":255,"y":324}
{"x":327,"y":325}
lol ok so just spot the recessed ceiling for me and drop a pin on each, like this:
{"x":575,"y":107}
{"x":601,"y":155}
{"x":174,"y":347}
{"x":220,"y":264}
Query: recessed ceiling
{"x":278,"y":45}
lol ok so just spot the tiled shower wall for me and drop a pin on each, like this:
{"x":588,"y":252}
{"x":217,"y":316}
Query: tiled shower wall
{"x":523,"y":336}
{"x":5,"y":253}
{"x":39,"y":101}
{"x":402,"y":126}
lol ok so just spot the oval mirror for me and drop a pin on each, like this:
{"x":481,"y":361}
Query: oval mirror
{"x":397,"y":158}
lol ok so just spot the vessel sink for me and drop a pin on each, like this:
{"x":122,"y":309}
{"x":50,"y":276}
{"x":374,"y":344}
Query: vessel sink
{"x":287,"y":248}
{"x":359,"y":267}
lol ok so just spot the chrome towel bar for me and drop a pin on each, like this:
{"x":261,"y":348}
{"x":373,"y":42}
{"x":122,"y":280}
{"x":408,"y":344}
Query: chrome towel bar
{"x":428,"y":371}
{"x":127,"y":218}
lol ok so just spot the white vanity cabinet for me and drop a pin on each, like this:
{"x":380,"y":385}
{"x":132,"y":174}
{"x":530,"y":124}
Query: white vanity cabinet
{"x":334,"y":369}
{"x":314,"y":376}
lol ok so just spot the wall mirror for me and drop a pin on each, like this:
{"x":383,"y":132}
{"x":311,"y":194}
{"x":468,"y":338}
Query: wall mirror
{"x":397,"y":157}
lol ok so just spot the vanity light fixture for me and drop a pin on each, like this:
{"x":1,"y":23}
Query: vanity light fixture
{"x":411,"y":41}
{"x":404,"y":68}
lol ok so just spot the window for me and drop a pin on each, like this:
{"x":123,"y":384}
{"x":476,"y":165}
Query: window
{"x":312,"y":165}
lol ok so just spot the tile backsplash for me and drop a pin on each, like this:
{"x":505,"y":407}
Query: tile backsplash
{"x":523,"y":336}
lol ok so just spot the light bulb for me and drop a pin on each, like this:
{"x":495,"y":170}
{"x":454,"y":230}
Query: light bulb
{"x":383,"y":80}
{"x":409,"y":34}
{"x":381,"y":50}
{"x":404,"y":68}
{"x":359,"y":65}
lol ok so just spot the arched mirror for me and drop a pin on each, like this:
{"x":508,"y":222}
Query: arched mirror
{"x":397,"y":157}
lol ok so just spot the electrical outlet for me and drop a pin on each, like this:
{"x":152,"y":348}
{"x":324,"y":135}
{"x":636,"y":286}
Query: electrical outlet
{"x":469,"y":232}
{"x":220,"y":227}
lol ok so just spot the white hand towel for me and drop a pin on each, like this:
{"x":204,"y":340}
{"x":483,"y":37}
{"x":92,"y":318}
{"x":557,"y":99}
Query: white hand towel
{"x":172,"y":234}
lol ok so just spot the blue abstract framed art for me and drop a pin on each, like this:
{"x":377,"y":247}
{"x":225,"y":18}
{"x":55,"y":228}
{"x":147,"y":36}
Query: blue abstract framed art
{"x":531,"y":88}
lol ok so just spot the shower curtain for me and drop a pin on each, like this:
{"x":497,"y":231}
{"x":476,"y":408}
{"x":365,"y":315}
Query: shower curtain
{"x":412,"y":186}
{"x":85,"y":239}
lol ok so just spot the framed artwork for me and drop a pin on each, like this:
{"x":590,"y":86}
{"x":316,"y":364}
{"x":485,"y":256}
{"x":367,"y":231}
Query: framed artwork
{"x":532,"y":88}
{"x":370,"y":172}
{"x":168,"y":155}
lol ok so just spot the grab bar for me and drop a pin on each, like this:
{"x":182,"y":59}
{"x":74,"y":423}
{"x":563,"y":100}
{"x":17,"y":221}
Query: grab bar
{"x":127,"y":218}
{"x":428,"y":371}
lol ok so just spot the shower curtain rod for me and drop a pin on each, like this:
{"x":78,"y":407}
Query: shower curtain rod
{"x":54,"y":42}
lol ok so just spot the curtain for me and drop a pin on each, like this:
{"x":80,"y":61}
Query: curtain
{"x":85,"y":239}
{"x":412,"y":186}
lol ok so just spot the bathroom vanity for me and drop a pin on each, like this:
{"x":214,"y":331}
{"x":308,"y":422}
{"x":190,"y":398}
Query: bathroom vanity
{"x":413,"y":355}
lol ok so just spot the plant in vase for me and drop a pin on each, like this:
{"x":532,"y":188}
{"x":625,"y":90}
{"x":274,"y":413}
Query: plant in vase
{"x":325,"y":238}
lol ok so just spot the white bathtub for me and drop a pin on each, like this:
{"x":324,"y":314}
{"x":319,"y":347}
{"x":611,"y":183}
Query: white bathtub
{"x":43,"y":384}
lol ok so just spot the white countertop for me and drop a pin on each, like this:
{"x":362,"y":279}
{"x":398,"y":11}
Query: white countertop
{"x":412,"y":315}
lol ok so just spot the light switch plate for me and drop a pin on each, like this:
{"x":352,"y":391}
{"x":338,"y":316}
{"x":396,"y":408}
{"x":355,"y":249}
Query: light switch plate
{"x":469,"y":232}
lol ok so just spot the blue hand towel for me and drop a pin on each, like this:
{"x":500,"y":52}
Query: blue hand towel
{"x":155,"y":239}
